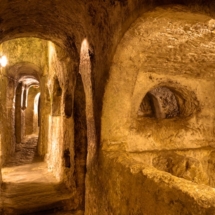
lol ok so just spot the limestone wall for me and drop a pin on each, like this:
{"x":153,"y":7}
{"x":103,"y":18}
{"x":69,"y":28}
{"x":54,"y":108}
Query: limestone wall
{"x":171,"y":48}
{"x":150,"y":164}
{"x":125,"y":186}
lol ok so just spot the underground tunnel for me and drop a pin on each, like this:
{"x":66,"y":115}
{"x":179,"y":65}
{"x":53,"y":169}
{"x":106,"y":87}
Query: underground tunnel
{"x":107,"y":107}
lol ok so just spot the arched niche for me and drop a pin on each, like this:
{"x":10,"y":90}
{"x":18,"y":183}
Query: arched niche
{"x":159,"y":103}
{"x":168,"y":101}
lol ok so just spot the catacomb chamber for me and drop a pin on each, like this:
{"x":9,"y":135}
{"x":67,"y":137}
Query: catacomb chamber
{"x":126,"y":120}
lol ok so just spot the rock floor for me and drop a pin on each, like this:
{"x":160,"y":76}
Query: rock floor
{"x":28,"y":187}
{"x":25,"y":152}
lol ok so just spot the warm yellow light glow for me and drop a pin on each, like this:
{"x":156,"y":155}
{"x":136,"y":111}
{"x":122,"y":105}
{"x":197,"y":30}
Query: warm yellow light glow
{"x":51,"y":50}
{"x":36,"y":102}
{"x":49,"y":83}
{"x":84,"y":46}
{"x":3,"y":61}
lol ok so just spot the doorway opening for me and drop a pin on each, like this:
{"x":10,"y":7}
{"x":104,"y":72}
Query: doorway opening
{"x":26,"y":122}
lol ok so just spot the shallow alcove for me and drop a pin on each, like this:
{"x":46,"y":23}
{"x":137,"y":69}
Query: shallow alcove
{"x":57,"y":92}
{"x":68,"y":106}
{"x":18,"y":114}
{"x":161,"y":116}
{"x":166,"y":102}
{"x":194,"y":169}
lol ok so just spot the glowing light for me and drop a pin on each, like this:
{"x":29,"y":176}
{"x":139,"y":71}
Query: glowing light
{"x":36,"y":102}
{"x":51,"y":50}
{"x":49,"y":83}
{"x":3,"y":61}
{"x":84,"y":46}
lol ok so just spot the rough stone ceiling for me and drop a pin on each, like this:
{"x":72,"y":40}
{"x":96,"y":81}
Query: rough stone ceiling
{"x":68,"y":22}
{"x":24,"y":69}
{"x":61,"y":21}
{"x":49,"y":20}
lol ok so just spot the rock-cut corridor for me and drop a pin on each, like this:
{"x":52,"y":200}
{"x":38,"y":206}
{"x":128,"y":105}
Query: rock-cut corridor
{"x":29,"y":188}
{"x":107,"y":107}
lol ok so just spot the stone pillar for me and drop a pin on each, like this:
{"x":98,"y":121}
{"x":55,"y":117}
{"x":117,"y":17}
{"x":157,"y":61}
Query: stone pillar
{"x":30,"y":125}
{"x":24,"y":98}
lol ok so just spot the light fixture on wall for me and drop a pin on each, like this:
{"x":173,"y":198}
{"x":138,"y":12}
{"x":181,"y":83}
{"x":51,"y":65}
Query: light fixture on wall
{"x":3,"y":61}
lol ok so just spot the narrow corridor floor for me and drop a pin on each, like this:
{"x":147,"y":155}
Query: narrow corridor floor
{"x":25,"y":152}
{"x":29,"y":188}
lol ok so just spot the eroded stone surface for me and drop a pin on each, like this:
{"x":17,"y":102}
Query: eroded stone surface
{"x":136,"y":188}
{"x":156,"y":52}
{"x":181,"y":166}
{"x":30,"y":188}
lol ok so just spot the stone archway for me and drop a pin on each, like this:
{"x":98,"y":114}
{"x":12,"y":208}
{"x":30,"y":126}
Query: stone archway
{"x":56,"y":79}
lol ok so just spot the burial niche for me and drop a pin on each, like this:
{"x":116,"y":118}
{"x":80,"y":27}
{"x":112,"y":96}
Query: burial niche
{"x":160,"y":103}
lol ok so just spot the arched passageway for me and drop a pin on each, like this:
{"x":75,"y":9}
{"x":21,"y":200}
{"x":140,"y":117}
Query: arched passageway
{"x":26,"y":108}
{"x":47,"y":105}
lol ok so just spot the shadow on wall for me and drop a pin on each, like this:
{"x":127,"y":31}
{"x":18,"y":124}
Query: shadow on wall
{"x":57,"y":93}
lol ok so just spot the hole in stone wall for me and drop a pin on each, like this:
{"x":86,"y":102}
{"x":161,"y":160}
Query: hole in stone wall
{"x":165,"y":102}
{"x":68,"y":104}
{"x":18,"y":113}
{"x":160,"y":103}
{"x":66,"y":156}
{"x":57,"y":92}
